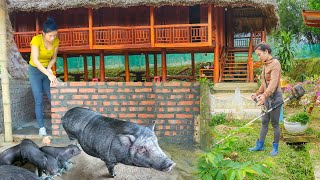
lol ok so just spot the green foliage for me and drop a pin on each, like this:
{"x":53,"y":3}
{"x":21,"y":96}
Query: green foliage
{"x":314,"y":4}
{"x":285,"y":50}
{"x":218,"y":119}
{"x":215,"y":165}
{"x":302,"y":117}
{"x":304,"y":68}
{"x":291,"y":19}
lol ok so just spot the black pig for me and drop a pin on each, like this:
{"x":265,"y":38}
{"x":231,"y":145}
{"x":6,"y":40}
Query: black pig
{"x":11,"y":156}
{"x":30,"y":152}
{"x":115,"y":141}
{"x":9,"y":172}
{"x":62,"y":154}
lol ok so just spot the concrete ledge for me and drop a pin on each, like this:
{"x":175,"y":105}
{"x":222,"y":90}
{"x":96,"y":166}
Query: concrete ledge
{"x":230,"y":87}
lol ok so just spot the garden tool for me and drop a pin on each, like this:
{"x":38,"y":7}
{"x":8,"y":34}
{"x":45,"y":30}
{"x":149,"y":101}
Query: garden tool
{"x":296,"y":93}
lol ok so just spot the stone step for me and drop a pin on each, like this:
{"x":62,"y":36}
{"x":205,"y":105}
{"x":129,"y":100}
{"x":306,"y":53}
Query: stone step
{"x":230,"y":87}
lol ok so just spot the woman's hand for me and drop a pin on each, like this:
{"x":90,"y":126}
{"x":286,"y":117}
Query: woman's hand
{"x":53,"y":80}
{"x":261,"y":99}
{"x":253,"y":96}
{"x":50,"y":70}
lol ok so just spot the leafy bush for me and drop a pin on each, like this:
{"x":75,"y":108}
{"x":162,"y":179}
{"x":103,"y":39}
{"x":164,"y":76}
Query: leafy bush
{"x":302,"y":117}
{"x":218,"y":119}
{"x":285,"y":50}
{"x":215,"y":165}
{"x":304,"y":68}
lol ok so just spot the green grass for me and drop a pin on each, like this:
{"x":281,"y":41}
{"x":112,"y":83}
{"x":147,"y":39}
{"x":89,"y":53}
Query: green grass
{"x":291,"y":162}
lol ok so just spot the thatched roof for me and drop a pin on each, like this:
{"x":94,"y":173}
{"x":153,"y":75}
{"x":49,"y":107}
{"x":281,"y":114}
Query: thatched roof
{"x":45,"y":5}
{"x":267,"y":8}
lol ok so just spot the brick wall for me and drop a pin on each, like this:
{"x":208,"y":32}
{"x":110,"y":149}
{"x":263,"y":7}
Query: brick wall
{"x":173,"y":105}
{"x":22,"y":103}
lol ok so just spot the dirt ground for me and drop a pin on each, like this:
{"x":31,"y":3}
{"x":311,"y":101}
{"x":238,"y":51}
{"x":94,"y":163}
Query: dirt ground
{"x":86,"y":167}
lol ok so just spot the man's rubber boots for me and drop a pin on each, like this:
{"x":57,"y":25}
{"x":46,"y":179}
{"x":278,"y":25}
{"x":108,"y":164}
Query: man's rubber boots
{"x":259,"y":146}
{"x":275,"y":149}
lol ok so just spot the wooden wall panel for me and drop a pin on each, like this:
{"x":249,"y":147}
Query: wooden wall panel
{"x":171,"y":15}
{"x":133,"y":16}
{"x":24,"y":21}
{"x":73,"y":18}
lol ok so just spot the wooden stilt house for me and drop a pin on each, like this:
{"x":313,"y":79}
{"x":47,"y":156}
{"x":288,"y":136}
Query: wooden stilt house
{"x":229,"y":29}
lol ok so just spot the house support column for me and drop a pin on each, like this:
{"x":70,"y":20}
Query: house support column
{"x":217,"y":45}
{"x":250,"y":60}
{"x":102,"y":76}
{"x":85,"y":66}
{"x":147,"y":67}
{"x":155,"y":64}
{"x":65,"y":67}
{"x":90,"y":16}
{"x":127,"y":67}
{"x":164,"y":65}
{"x":210,"y":25}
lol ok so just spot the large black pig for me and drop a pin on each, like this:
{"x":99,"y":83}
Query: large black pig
{"x":115,"y":141}
{"x":9,"y":172}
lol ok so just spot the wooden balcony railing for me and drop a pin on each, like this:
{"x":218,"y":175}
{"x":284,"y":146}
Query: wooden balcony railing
{"x":243,"y":41}
{"x":75,"y":37}
{"x":181,"y":33}
{"x":116,"y":37}
{"x":23,"y":39}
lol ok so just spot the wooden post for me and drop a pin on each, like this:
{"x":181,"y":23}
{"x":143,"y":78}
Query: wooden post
{"x":85,"y":66}
{"x":152,"y":26}
{"x":155,"y":63}
{"x":93,"y":66}
{"x":223,"y":19}
{"x":250,"y":60}
{"x":102,"y":75}
{"x":37,"y":24}
{"x":216,"y":48}
{"x":15,"y":23}
{"x":65,"y":67}
{"x":264,"y":36}
{"x":54,"y":69}
{"x":193,"y":63}
{"x":147,"y":67}
{"x":127,"y":68}
{"x":90,"y":17}
{"x":210,"y":24}
{"x":5,"y":83}
{"x":163,"y":65}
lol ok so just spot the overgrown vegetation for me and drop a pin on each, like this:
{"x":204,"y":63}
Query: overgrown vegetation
{"x":217,"y":119}
{"x":218,"y":165}
{"x":304,"y":68}
{"x":291,"y":162}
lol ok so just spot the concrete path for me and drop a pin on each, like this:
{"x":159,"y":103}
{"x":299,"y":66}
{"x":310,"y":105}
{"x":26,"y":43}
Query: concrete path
{"x":89,"y":168}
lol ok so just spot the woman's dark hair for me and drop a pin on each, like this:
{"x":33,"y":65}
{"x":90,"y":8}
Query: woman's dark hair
{"x":49,"y":25}
{"x":263,"y":46}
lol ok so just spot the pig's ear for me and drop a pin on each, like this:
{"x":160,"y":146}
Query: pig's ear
{"x":153,"y":125}
{"x":127,"y":140}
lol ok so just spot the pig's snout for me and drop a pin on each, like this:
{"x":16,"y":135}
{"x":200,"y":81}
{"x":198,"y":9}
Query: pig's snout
{"x":168,"y":165}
